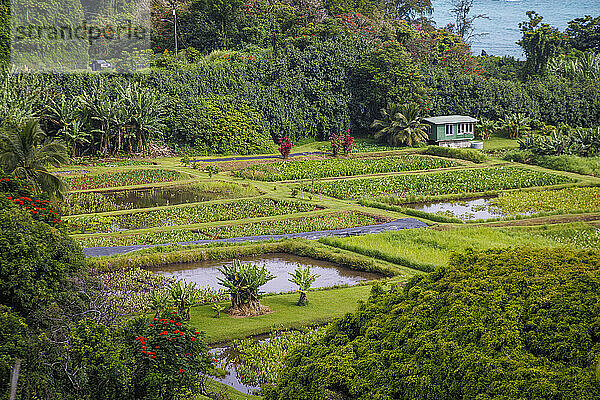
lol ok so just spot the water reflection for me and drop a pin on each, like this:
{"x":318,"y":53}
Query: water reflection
{"x":205,"y":273}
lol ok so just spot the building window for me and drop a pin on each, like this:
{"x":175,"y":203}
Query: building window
{"x":449,"y":129}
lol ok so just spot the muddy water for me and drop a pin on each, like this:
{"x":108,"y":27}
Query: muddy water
{"x":205,"y":273}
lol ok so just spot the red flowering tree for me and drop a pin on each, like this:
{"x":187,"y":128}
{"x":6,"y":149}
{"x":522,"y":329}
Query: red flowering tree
{"x":169,"y":358}
{"x":285,"y":147}
{"x":18,"y":191}
{"x":341,"y":143}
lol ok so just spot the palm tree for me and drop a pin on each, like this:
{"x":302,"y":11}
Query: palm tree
{"x":27,"y":153}
{"x":401,"y":125}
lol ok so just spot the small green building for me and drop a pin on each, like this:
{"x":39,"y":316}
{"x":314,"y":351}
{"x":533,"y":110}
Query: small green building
{"x":451,"y":130}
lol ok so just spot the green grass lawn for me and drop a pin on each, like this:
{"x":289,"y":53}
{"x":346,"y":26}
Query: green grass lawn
{"x":324,"y":306}
{"x":430,"y":248}
{"x":499,"y":143}
{"x":231,"y":393}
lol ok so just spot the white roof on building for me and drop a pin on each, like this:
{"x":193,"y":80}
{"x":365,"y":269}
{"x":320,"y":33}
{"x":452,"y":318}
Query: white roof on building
{"x":450,"y":119}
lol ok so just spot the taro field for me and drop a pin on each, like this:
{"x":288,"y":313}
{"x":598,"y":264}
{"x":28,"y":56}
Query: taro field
{"x":116,"y":207}
{"x":314,"y":169}
{"x":399,"y":188}
{"x":122,"y":178}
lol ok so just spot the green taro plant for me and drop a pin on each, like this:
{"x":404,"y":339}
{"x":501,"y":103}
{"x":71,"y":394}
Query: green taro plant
{"x":186,"y":215}
{"x":122,"y":178}
{"x":243,"y":282}
{"x":336,"y":220}
{"x":314,"y":169}
{"x":304,"y":279}
{"x":211,"y":170}
{"x":405,"y":188}
{"x":259,"y":362}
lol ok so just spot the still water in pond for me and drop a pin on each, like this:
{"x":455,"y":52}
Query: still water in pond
{"x":470,"y":209}
{"x":226,"y":358}
{"x":164,"y":196}
{"x":205,"y":273}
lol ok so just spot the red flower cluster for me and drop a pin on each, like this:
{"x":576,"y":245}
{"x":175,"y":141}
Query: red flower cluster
{"x":39,"y":209}
{"x":341,"y":143}
{"x":143,"y":341}
{"x":285,"y":147}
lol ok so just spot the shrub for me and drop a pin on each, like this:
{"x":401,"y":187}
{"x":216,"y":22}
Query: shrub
{"x":19,"y":192}
{"x":504,"y":323}
{"x":341,"y":143}
{"x":285,"y":147}
{"x":13,"y":342}
{"x":475,"y":156}
{"x":219,"y":125}
{"x":169,"y":356}
{"x":102,"y":370}
{"x":569,"y":163}
{"x":36,"y":261}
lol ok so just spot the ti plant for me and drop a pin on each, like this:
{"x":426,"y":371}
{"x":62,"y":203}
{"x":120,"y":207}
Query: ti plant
{"x":183,"y":296}
{"x":304,"y":279}
{"x":243,"y":281}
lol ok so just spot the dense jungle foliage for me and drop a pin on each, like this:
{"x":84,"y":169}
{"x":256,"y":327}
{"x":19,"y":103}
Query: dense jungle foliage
{"x":302,"y":70}
{"x":496,"y":324}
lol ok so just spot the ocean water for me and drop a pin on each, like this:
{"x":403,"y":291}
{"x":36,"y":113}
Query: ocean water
{"x":502,"y":29}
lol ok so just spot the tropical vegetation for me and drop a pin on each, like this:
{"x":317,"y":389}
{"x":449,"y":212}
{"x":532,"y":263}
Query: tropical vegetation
{"x":361,"y":356}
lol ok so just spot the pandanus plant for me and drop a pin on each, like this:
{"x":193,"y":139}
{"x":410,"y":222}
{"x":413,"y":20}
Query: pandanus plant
{"x":304,"y":279}
{"x":243,"y":281}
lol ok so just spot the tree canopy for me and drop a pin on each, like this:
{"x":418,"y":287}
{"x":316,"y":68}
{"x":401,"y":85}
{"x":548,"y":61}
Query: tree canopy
{"x":496,"y":324}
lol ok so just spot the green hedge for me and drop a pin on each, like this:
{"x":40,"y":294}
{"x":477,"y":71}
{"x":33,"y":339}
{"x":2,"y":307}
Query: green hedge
{"x":165,"y":255}
{"x":475,"y":156}
{"x":550,"y":99}
{"x":219,"y":125}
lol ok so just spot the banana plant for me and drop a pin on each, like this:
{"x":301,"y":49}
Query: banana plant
{"x":183,"y":296}
{"x":304,"y":279}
